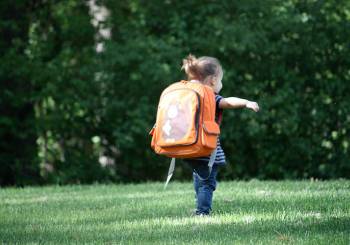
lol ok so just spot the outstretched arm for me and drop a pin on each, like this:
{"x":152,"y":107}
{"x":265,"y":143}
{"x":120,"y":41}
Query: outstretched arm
{"x":233,"y":102}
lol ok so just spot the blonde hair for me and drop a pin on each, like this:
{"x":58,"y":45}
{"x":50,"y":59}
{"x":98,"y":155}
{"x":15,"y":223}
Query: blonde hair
{"x":201,"y":69}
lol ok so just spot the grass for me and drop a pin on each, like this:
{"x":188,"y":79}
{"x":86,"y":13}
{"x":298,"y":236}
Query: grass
{"x":254,"y":212}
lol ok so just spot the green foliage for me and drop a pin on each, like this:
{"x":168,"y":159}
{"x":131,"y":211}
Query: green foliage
{"x":17,"y":131}
{"x":81,"y":116}
{"x":254,"y":212}
{"x":291,"y":57}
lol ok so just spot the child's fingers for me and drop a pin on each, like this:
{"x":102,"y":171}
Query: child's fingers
{"x":256,"y":108}
{"x":253,"y":106}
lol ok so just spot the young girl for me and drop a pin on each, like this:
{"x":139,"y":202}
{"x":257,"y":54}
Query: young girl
{"x":208,"y":71}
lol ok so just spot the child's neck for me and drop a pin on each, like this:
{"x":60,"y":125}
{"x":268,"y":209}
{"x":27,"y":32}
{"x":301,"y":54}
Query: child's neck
{"x":197,"y":81}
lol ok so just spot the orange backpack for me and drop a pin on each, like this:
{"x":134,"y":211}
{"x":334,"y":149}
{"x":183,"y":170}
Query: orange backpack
{"x":185,"y":125}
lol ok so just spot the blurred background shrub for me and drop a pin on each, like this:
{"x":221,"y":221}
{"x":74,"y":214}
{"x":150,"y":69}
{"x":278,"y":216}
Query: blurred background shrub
{"x":80,"y":83}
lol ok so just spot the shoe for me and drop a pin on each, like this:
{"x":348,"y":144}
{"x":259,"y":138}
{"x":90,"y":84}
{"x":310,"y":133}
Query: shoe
{"x":202,"y":214}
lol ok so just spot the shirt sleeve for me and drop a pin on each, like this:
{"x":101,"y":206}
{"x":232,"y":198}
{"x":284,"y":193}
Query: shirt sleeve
{"x":218,"y":98}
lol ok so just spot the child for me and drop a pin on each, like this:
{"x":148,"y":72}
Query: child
{"x":208,"y":71}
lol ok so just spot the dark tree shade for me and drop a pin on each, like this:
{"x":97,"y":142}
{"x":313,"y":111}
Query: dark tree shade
{"x":70,"y":114}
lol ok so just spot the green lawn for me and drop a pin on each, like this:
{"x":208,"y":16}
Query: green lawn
{"x":255,"y":212}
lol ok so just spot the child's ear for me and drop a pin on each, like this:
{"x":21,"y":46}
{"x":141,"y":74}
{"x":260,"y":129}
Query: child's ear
{"x":212,"y":81}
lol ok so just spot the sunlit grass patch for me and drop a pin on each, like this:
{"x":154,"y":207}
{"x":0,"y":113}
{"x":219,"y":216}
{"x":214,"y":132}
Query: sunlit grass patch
{"x":244,"y":212}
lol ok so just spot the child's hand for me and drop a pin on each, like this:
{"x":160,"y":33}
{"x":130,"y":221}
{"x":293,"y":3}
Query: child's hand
{"x":253,"y":106}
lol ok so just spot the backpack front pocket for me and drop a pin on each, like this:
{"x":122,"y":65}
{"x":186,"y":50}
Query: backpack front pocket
{"x":211,"y":131}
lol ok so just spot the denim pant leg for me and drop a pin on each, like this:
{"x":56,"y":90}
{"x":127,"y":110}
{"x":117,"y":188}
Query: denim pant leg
{"x":204,"y":186}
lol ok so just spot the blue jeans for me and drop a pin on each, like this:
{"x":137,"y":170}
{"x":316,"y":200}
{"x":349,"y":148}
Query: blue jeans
{"x":204,"y":185}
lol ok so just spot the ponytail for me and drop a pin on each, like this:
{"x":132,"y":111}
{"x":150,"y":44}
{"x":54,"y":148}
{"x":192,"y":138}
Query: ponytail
{"x":190,"y":65}
{"x":201,"y":69}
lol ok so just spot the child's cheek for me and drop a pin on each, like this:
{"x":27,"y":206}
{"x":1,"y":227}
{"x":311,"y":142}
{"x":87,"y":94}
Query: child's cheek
{"x":218,"y":87}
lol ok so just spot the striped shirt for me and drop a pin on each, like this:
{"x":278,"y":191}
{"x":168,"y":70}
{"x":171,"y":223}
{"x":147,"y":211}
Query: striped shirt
{"x":220,"y":158}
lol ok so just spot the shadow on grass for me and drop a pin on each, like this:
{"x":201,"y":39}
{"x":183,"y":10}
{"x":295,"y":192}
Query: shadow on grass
{"x":158,"y":220}
{"x":181,"y":230}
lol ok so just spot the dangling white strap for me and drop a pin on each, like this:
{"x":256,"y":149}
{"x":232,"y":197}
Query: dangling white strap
{"x":172,"y":168}
{"x":212,"y":160}
{"x":210,"y":164}
{"x":170,"y":172}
